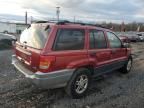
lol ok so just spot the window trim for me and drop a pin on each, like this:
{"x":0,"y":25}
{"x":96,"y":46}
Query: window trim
{"x":55,"y":40}
{"x":91,"y":30}
{"x":115,"y":36}
{"x":57,"y":36}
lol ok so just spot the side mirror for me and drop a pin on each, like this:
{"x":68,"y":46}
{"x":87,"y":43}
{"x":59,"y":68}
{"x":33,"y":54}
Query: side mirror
{"x":125,"y":45}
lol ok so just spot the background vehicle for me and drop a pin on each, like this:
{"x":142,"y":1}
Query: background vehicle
{"x":12,"y":28}
{"x":134,"y":38}
{"x":124,"y":38}
{"x":7,"y":28}
{"x":69,"y":55}
{"x":141,"y":37}
{"x":6,"y":41}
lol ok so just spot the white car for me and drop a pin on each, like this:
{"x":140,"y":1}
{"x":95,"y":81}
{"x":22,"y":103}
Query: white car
{"x":141,"y":36}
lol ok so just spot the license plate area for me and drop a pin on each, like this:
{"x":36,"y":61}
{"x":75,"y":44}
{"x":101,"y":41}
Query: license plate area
{"x":24,"y":56}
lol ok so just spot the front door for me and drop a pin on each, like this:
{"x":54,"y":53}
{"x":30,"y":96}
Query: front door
{"x":99,"y":51}
{"x":118,"y":53}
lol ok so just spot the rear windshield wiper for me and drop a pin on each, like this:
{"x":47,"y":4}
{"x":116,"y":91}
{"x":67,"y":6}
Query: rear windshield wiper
{"x":25,"y":42}
{"x":29,"y":26}
{"x":47,"y":27}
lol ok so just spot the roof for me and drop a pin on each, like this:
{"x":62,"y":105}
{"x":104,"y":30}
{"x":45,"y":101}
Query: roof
{"x":72,"y":24}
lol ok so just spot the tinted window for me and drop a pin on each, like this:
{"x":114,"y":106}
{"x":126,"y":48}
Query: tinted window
{"x":97,"y":39}
{"x":69,"y":39}
{"x":113,"y":40}
{"x":35,"y":36}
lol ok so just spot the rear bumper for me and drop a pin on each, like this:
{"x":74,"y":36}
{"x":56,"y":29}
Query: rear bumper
{"x":44,"y":80}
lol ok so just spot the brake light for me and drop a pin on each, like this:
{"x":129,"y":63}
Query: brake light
{"x":46,"y":62}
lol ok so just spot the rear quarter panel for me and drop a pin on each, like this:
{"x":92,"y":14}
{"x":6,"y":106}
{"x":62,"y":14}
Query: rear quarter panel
{"x":67,"y":58}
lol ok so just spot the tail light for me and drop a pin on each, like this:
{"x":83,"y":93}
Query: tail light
{"x":46,"y":62}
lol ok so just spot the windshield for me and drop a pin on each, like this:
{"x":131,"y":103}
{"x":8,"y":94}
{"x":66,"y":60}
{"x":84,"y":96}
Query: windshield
{"x":35,"y":36}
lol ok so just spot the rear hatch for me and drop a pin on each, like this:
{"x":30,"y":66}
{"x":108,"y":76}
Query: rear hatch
{"x":32,"y":42}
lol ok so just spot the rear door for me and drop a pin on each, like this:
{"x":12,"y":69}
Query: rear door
{"x":69,"y":48}
{"x":99,"y":53}
{"x":118,"y":53}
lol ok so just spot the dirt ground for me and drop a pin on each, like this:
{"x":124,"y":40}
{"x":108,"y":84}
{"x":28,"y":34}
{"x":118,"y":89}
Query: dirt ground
{"x":114,"y":90}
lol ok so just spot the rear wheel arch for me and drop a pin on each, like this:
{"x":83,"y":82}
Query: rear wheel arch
{"x":69,"y":88}
{"x":89,"y":67}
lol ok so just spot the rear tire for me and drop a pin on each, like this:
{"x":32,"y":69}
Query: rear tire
{"x":79,"y":84}
{"x":127,"y":67}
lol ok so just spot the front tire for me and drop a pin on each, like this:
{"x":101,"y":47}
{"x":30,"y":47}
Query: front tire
{"x":127,"y":67}
{"x":79,"y":84}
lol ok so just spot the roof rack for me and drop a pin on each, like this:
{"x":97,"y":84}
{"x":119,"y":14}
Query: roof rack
{"x":62,"y":22}
{"x":81,"y":23}
{"x":41,"y":22}
{"x":53,"y":21}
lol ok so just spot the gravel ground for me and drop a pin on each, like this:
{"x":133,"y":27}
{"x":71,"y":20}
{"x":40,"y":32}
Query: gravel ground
{"x":114,"y":90}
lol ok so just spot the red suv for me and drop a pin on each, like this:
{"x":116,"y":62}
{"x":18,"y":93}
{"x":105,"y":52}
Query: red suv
{"x":69,"y":55}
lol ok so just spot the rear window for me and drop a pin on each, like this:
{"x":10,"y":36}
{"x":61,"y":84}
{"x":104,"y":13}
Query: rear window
{"x":35,"y":36}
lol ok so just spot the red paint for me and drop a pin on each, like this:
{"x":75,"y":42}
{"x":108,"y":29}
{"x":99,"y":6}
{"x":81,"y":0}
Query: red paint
{"x":72,"y":58}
